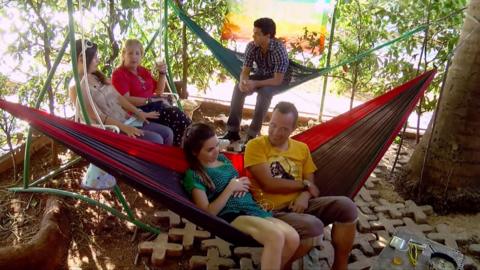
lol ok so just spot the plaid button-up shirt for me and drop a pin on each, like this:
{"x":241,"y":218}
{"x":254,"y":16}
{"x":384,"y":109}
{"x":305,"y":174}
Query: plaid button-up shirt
{"x":274,"y":61}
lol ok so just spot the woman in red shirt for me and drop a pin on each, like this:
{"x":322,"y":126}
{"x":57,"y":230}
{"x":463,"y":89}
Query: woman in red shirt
{"x":137,"y":84}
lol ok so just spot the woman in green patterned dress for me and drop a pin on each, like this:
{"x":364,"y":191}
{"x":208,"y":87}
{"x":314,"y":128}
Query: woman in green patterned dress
{"x":215,"y":187}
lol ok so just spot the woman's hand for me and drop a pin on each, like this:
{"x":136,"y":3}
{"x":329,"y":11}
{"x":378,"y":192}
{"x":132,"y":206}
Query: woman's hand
{"x":143,"y":116}
{"x":161,"y":67}
{"x":152,"y":115}
{"x":239,"y":186}
{"x":131,"y":131}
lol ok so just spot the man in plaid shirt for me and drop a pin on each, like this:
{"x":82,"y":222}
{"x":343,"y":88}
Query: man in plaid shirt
{"x":266,"y":57}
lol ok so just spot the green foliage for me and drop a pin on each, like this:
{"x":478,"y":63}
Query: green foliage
{"x":356,"y":31}
{"x":364,"y":24}
{"x":8,"y":124}
{"x":40,"y":27}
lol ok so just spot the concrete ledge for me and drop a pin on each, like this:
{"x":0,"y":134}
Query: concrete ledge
{"x":37,"y":143}
{"x":303,"y":118}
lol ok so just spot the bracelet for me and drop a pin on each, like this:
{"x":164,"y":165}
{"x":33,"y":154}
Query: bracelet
{"x":148,"y":100}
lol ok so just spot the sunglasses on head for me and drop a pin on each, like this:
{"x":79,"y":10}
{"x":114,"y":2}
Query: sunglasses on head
{"x":88,"y":44}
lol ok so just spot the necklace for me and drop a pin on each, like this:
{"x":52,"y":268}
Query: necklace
{"x":143,"y":83}
{"x":94,"y":80}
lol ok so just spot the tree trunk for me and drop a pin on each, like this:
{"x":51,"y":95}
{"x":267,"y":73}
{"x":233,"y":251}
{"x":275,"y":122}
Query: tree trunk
{"x":354,"y":85}
{"x":450,"y":180}
{"x":48,"y":62}
{"x":112,"y":23}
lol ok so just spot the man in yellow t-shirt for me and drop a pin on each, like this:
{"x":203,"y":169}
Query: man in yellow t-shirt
{"x":282,"y":174}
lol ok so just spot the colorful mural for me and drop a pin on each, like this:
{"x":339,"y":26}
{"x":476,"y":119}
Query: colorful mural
{"x":290,"y":16}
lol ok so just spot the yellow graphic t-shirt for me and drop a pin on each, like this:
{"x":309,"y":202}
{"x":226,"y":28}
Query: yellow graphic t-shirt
{"x":292,"y":164}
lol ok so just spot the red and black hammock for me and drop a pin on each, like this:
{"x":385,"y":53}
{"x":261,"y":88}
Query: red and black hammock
{"x":345,"y":149}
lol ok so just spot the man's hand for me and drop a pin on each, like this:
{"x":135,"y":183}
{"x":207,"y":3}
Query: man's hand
{"x":247,"y":86}
{"x":300,"y":203}
{"x":313,"y":189}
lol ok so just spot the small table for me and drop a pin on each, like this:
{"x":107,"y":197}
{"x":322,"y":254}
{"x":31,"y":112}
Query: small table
{"x":385,"y":259}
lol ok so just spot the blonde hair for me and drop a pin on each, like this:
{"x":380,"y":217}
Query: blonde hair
{"x":129,"y":43}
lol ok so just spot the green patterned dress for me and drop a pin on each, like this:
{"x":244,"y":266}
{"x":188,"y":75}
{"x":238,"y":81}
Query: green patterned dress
{"x":221,"y":176}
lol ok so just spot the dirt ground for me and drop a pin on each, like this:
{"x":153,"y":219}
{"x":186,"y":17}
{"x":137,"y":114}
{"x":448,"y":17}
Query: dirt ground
{"x":101,"y":241}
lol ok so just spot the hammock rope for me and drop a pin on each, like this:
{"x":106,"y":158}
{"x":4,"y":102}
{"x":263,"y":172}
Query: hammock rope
{"x":345,"y":149}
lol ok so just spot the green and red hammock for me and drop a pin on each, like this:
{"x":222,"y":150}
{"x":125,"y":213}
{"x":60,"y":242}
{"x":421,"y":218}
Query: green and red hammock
{"x":345,"y":149}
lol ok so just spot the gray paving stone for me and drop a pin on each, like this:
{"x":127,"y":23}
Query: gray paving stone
{"x":393,"y":209}
{"x":187,"y":234}
{"x":159,"y":249}
{"x":469,"y":264}
{"x":383,"y":238}
{"x":246,"y":264}
{"x":414,"y":228}
{"x":403,"y":160}
{"x":372,"y":182}
{"x":167,"y":216}
{"x":309,"y":261}
{"x":363,"y":241}
{"x":326,"y":252}
{"x":446,"y":236}
{"x":381,"y":168}
{"x":368,"y":195}
{"x":212,"y":261}
{"x":419,"y":213}
{"x":365,"y":207}
{"x":327,"y":233}
{"x":221,"y":245}
{"x":361,"y":262}
{"x":385,"y":223}
{"x":363,"y":223}
{"x":323,"y":265}
{"x":254,"y":253}
{"x":474,"y":249}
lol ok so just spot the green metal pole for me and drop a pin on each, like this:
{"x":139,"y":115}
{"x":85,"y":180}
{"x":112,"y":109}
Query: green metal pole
{"x":90,"y":201}
{"x":329,"y":53}
{"x":123,"y":201}
{"x":55,"y":172}
{"x":167,"y":57}
{"x":73,"y":51}
{"x":28,"y":143}
{"x":73,"y":54}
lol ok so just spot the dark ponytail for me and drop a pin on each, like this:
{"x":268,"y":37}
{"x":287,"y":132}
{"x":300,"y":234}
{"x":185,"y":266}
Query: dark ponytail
{"x":90,"y":51}
{"x":193,"y":139}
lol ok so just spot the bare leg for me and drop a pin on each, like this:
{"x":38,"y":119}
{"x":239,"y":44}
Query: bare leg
{"x":343,"y":235}
{"x":305,"y":246}
{"x":292,"y":241}
{"x":268,"y":234}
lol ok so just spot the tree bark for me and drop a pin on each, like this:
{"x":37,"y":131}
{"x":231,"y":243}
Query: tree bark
{"x":48,"y":249}
{"x":46,"y":37}
{"x":451,"y":174}
{"x":112,"y":23}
